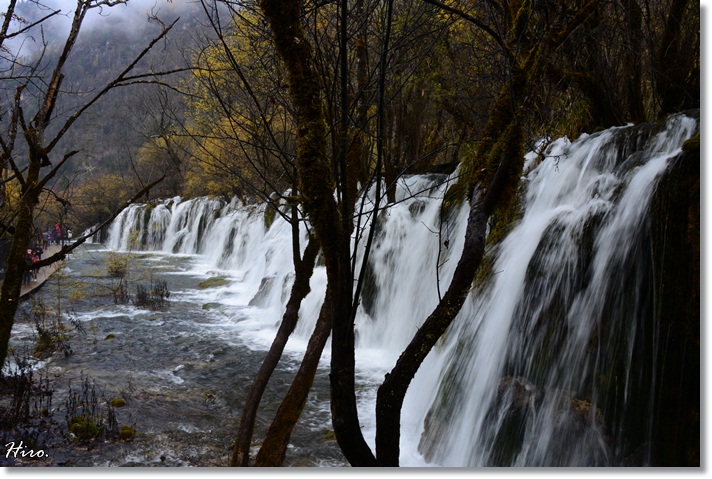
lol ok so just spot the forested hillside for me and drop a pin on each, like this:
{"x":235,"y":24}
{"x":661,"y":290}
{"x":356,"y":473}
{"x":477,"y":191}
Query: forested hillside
{"x":109,"y":135}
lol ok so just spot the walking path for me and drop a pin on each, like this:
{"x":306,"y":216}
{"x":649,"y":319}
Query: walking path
{"x":43,"y":274}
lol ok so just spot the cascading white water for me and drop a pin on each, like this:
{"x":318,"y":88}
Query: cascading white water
{"x":547,"y":347}
{"x":517,"y":379}
{"x":412,"y":258}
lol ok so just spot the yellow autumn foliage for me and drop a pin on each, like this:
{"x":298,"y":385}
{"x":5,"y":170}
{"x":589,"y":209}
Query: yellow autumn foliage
{"x":96,"y":199}
{"x":239,"y":116}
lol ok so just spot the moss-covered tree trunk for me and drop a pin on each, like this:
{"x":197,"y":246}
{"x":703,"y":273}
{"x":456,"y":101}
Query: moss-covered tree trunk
{"x":483,"y":201}
{"x":15,"y":270}
{"x":317,"y":196}
{"x":492,"y":176}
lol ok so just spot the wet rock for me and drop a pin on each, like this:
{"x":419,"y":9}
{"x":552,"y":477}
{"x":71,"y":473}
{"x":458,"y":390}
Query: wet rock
{"x":260,"y":298}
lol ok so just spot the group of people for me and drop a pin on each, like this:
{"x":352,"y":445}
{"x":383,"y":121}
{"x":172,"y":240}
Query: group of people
{"x":32,"y":256}
{"x":56,"y":235}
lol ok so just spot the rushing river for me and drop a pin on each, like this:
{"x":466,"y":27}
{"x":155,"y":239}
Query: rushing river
{"x":183,"y":371}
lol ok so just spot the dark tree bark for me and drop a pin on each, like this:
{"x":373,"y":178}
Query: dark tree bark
{"x":274,"y":447}
{"x":634,"y":43}
{"x":12,"y":282}
{"x":395,"y":385}
{"x":497,"y":166}
{"x":317,"y":186}
{"x":675,"y":78}
{"x":303,"y":269}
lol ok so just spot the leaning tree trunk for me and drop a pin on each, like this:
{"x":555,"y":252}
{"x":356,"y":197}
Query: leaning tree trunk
{"x":392,"y":392}
{"x":303,"y":270}
{"x":274,"y":447}
{"x":15,"y":269}
{"x":496,"y":165}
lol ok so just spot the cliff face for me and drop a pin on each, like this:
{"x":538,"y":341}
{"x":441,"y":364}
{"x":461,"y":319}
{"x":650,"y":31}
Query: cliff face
{"x":675,"y":235}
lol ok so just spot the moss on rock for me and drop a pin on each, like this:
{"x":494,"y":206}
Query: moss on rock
{"x":127,"y":433}
{"x":214,"y":282}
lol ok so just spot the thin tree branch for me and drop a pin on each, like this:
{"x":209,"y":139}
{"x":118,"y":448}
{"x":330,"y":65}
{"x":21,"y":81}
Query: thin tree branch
{"x":68,"y":248}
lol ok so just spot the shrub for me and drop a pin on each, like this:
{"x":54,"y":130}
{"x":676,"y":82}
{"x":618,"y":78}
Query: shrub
{"x":155,"y":297}
{"x":117,"y":265}
{"x":84,"y":418}
{"x":214,"y":282}
{"x":52,"y":333}
{"x":121,"y":293}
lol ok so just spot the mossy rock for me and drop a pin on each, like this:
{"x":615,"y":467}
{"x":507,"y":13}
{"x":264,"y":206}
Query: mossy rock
{"x":126,"y":433}
{"x":214,"y":282}
{"x":117,"y":402}
{"x":675,"y":225}
{"x":270,"y":215}
{"x":110,"y":336}
{"x":84,"y":427}
{"x":207,"y":306}
{"x":455,"y":196}
{"x":691,"y":147}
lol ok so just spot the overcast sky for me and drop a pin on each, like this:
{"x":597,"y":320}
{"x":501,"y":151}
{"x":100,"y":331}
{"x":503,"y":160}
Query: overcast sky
{"x":129,"y":17}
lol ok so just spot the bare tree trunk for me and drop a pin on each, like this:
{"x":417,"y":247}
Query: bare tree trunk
{"x":671,"y":71}
{"x":634,"y":41}
{"x":303,"y":270}
{"x":317,"y":187}
{"x":274,"y":447}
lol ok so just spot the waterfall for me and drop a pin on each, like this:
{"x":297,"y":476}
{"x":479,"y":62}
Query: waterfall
{"x":231,"y":238}
{"x":550,"y":360}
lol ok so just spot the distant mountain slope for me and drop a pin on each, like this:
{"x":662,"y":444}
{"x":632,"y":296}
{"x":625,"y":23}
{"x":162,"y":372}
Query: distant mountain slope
{"x":109,"y":134}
